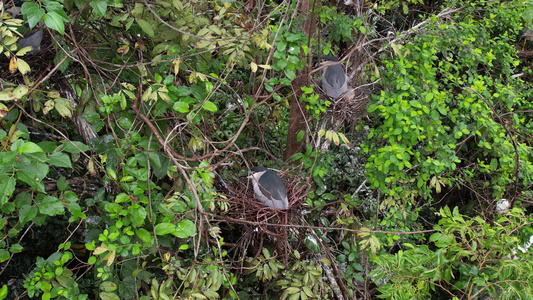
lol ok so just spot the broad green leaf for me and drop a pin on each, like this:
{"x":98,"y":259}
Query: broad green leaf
{"x":4,"y":255}
{"x":33,"y":12}
{"x":146,"y":27}
{"x":99,"y":7}
{"x":138,"y":214}
{"x":108,"y":296}
{"x":144,"y":235}
{"x":181,"y":107}
{"x":30,"y":147}
{"x":60,"y":159}
{"x":51,"y":206}
{"x":15,"y":248}
{"x":300,"y":135}
{"x":74,"y":147}
{"x":57,"y":8}
{"x":210,"y":106}
{"x":311,"y":243}
{"x":165,"y":228}
{"x":27,"y":213}
{"x":122,"y":197}
{"x":54,"y":21}
{"x":3,"y":292}
{"x":108,"y":286}
{"x":185,"y":229}
{"x":7,"y":187}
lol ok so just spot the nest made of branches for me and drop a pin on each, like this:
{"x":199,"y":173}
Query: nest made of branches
{"x":244,"y":206}
{"x":260,"y":221}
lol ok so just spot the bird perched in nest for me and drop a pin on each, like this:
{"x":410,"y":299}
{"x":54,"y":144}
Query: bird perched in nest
{"x":268,"y":188}
{"x":334,"y":78}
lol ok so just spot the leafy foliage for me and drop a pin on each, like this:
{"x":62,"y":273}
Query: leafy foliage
{"x":128,"y":129}
{"x":470,"y":258}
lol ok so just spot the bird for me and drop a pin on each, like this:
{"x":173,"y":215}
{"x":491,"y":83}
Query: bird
{"x":333,"y":78}
{"x":269,"y":189}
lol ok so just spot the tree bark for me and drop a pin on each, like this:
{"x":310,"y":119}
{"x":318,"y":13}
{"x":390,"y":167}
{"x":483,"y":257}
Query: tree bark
{"x":298,"y":114}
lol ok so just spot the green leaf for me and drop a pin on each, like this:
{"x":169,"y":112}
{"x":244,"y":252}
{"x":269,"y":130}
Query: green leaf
{"x":75,"y":147}
{"x":185,"y":229}
{"x":54,"y":21}
{"x":181,"y":107}
{"x":108,"y":286}
{"x":311,"y":243}
{"x":75,"y":210}
{"x":99,"y":7}
{"x":165,"y":228}
{"x":15,"y":248}
{"x":210,"y":106}
{"x":62,"y":183}
{"x":32,"y":12}
{"x":108,"y":296}
{"x":300,"y":135}
{"x":7,"y":187}
{"x":146,"y":27}
{"x":51,"y":206}
{"x":3,"y":292}
{"x":138,"y":214}
{"x":27,"y":213}
{"x":60,"y":159}
{"x":144,"y":235}
{"x":4,"y":255}
{"x":57,"y":8}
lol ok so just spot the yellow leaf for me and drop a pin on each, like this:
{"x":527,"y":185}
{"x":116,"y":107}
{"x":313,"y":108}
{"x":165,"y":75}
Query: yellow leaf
{"x":192,"y":77}
{"x":20,"y":91}
{"x":123,"y":50}
{"x":176,"y":66}
{"x":23,"y":67}
{"x":10,"y":40}
{"x":3,"y":111}
{"x":91,"y":168}
{"x":268,"y":67}
{"x":100,"y":250}
{"x":329,"y":134}
{"x":12,"y":64}
{"x":6,"y":95}
{"x":48,"y":106}
{"x":336,"y":138}
{"x":110,"y":257}
{"x":254,"y":66}
{"x":345,"y":140}
{"x":396,"y":49}
{"x":204,"y":44}
{"x":147,"y":94}
{"x":23,"y":51}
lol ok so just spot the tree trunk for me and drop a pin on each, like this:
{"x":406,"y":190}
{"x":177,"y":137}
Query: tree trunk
{"x":298,"y":114}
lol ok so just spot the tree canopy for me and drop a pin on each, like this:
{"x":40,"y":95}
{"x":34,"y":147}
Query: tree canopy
{"x":125,"y":133}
